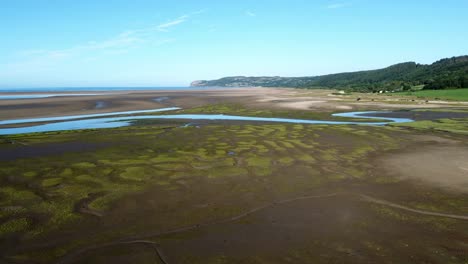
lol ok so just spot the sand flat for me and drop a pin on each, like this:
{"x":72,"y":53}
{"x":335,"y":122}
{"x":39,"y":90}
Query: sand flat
{"x":443,"y":166}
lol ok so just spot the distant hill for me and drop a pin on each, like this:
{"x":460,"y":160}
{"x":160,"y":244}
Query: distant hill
{"x":445,"y":73}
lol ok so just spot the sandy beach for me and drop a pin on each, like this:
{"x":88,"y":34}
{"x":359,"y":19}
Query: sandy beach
{"x":263,"y":98}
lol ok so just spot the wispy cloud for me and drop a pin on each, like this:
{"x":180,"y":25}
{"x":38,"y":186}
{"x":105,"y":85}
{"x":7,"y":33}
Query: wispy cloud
{"x":337,"y":5}
{"x":212,"y":28}
{"x":201,"y":11}
{"x":119,"y":44}
{"x":165,"y":26}
{"x":250,"y":13}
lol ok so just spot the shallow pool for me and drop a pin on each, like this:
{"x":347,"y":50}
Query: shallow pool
{"x":39,"y":96}
{"x":95,"y":121}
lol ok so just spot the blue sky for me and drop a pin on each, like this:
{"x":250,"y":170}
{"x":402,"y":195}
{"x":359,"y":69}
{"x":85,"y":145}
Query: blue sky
{"x":66,"y":43}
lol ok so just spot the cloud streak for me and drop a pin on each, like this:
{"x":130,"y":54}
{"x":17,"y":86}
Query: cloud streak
{"x":165,"y":26}
{"x":337,"y":5}
{"x":250,"y":13}
{"x":118,"y":44}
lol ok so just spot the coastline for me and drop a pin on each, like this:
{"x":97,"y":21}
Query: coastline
{"x":251,"y":97}
{"x":59,"y":90}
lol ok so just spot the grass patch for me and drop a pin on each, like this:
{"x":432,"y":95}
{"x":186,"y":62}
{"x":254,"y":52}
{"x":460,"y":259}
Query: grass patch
{"x":84,"y":165}
{"x":259,"y":161}
{"x":50,"y":182}
{"x":286,"y":161}
{"x":452,"y":94}
{"x":457,"y":126}
{"x":30,"y":174}
{"x":13,"y":226}
{"x":135,"y":173}
{"x":226,"y":172}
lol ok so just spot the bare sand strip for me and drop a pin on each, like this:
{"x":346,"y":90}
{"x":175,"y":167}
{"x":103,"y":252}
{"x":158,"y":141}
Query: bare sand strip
{"x":281,"y":98}
{"x":444,"y":165}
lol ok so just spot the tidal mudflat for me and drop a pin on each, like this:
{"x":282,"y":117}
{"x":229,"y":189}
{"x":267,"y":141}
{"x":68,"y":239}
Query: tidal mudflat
{"x":224,"y":191}
{"x":99,"y":121}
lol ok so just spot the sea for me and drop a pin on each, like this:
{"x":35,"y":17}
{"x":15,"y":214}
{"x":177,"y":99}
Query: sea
{"x":101,"y":89}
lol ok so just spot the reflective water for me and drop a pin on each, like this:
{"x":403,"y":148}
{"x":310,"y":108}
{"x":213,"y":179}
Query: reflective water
{"x":111,"y":122}
{"x":38,"y":96}
{"x":60,"y":118}
{"x":105,"y":89}
{"x":161,"y":99}
{"x":100,"y":104}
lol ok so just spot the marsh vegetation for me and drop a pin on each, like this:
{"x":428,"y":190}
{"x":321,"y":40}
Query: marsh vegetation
{"x":224,"y":192}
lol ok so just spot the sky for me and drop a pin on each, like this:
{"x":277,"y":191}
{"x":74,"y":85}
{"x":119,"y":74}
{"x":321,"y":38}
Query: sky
{"x":69,"y":43}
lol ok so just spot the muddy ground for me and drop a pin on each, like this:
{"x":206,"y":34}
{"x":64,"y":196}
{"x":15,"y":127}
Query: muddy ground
{"x":266,"y":98}
{"x":223,"y":192}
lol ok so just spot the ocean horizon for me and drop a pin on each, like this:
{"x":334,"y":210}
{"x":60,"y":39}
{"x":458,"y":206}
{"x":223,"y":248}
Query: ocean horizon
{"x":105,"y":89}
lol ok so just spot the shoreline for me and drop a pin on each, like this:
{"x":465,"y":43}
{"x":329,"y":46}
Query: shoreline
{"x":121,"y":90}
{"x":250,"y":97}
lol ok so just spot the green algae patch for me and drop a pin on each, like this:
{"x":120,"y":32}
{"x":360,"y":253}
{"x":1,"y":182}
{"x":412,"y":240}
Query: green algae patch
{"x":301,"y":144}
{"x":440,"y":224}
{"x":361,"y":151}
{"x":306,"y":158}
{"x":30,"y":174}
{"x":122,"y":162}
{"x":328,"y":155}
{"x":286,"y":161}
{"x":88,"y":179}
{"x":170,"y":166}
{"x":225,"y":172}
{"x":257,"y":161}
{"x":456,"y":126}
{"x":165,"y":159}
{"x":66,"y":172}
{"x":13,"y":195}
{"x":261,"y":171}
{"x":84,"y":165}
{"x":273,"y":145}
{"x":104,"y":202}
{"x":60,"y":213}
{"x":136,"y":174}
{"x":50,"y":182}
{"x":354,"y":172}
{"x":14,"y":226}
{"x":178,"y":175}
{"x":286,"y":144}
{"x":260,"y":166}
{"x":183,"y":170}
{"x":163,"y":183}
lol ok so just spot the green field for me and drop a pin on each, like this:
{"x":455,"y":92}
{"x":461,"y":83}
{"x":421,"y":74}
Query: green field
{"x":453,"y":94}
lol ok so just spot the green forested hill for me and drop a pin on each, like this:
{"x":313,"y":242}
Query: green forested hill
{"x":445,"y":73}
